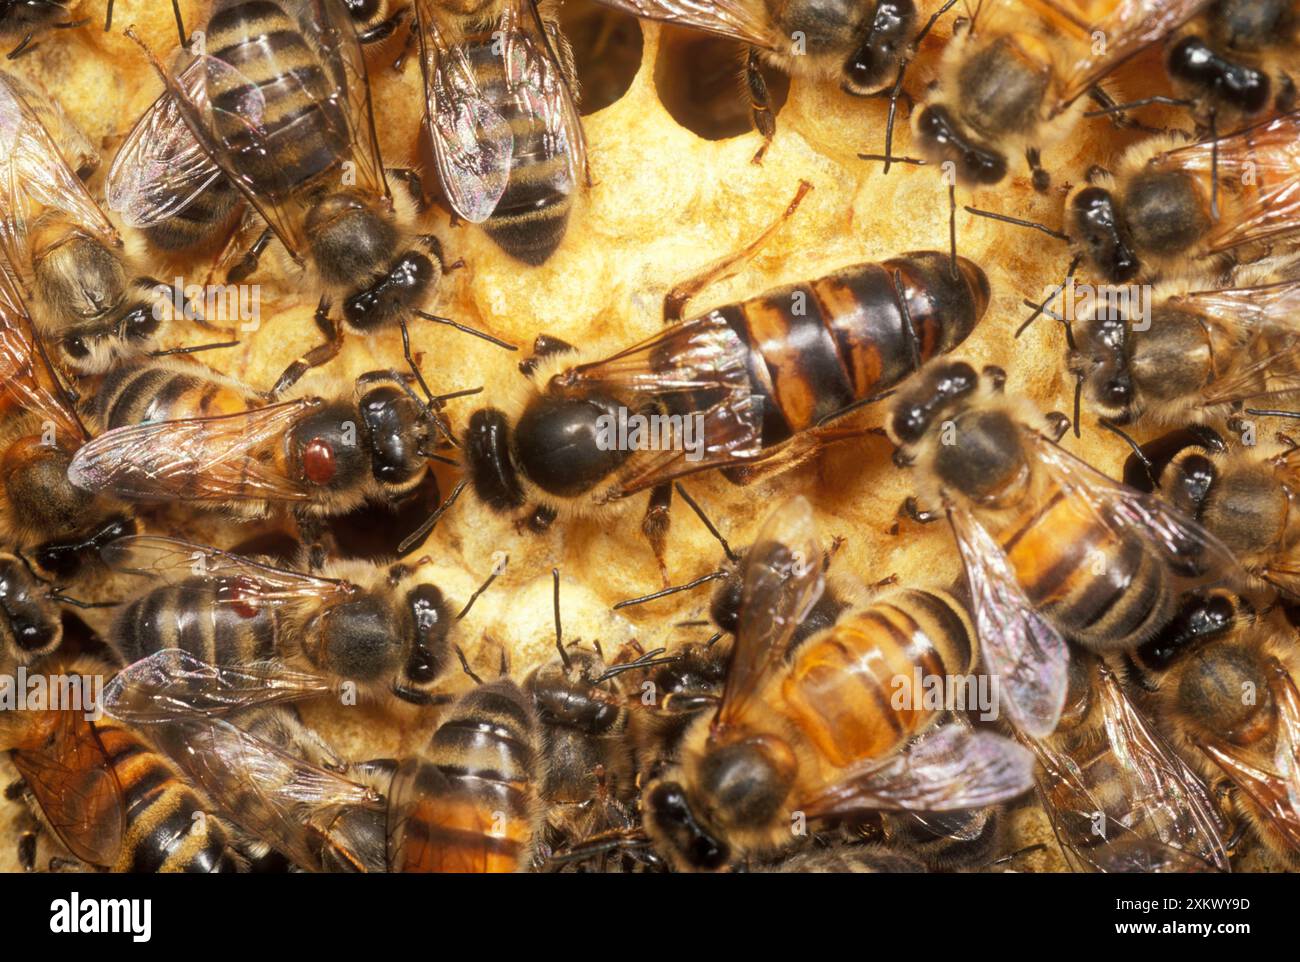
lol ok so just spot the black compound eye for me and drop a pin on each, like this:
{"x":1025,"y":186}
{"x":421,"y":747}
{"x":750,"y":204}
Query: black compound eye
{"x":1202,"y":617}
{"x":140,"y":324}
{"x":76,"y":348}
{"x":362,"y":10}
{"x":918,"y":410}
{"x":671,"y":809}
{"x":1116,"y":391}
{"x":872,"y":65}
{"x":567,"y":445}
{"x":431,"y":619}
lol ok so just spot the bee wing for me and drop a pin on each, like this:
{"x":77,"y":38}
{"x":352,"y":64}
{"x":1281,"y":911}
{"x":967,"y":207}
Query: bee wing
{"x":211,"y":459}
{"x":1269,"y":370}
{"x":1128,"y":27}
{"x":424,"y":820}
{"x":472,"y":140}
{"x":1276,"y":792}
{"x":34,"y":178}
{"x":73,"y":781}
{"x":1169,"y":801}
{"x":736,"y":19}
{"x":698,"y":370}
{"x":281,"y":799}
{"x":173,"y":685}
{"x":26,"y":376}
{"x":173,"y":560}
{"x":1265,"y":306}
{"x":1193,"y":553}
{"x":949,"y":769}
{"x":782,"y":581}
{"x":1023,"y":649}
{"x":160,"y":167}
{"x":1261,"y":164}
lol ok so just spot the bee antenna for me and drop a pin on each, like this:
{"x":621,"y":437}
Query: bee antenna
{"x":699,"y":513}
{"x":650,"y":659}
{"x":1007,"y":219}
{"x":713,"y":640}
{"x":429,"y":406}
{"x":1042,"y":308}
{"x":1273,"y":414}
{"x":418,"y":535}
{"x":464,"y":666}
{"x":59,"y":596}
{"x":194,"y":349}
{"x":559,"y":631}
{"x":466,"y":329}
{"x":1133,"y":446}
{"x":180,"y":22}
{"x":674,"y":589}
{"x":1134,"y":104}
{"x":1214,"y":161}
{"x":496,"y":570}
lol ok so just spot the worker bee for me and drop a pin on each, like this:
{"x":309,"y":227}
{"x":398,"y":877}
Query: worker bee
{"x":1159,"y":212}
{"x":1051,"y":546}
{"x":173,"y":431}
{"x":508,"y":146}
{"x":860,"y":45}
{"x":40,"y":431}
{"x":291,"y":126}
{"x":1223,"y":681}
{"x":380,"y":629}
{"x":752,"y":388}
{"x":1012,"y":81}
{"x":68,"y":259}
{"x":1118,"y":797}
{"x":112,"y":800}
{"x":27,"y":18}
{"x":822,"y":734}
{"x":1203,"y":351}
{"x":1238,"y":58}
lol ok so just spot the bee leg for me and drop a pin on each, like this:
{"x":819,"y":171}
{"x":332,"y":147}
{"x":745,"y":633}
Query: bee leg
{"x":543,"y":347}
{"x":913,"y":511}
{"x":760,"y":104}
{"x":317,"y":356}
{"x":29,"y":826}
{"x":24,"y":46}
{"x":1041,"y":178}
{"x":675,"y":300}
{"x":248,"y":263}
{"x":412,"y":37}
{"x":656,"y":522}
{"x":1057,"y":425}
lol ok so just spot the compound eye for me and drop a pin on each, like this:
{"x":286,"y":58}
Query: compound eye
{"x":76,"y":348}
{"x":140,"y":325}
{"x":1117,"y":391}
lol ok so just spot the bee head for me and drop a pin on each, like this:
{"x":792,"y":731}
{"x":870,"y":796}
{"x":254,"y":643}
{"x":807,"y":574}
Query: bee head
{"x":944,"y":139}
{"x":395,"y":429}
{"x":1203,"y":616}
{"x":429,"y":652}
{"x":29,"y":621}
{"x":568,"y":697}
{"x":889,"y":30}
{"x":1193,"y":62}
{"x":671,"y":822}
{"x":1095,"y":225}
{"x":939,"y":389}
{"x":1100,"y":357}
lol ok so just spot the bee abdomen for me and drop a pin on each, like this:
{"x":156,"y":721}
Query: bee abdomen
{"x":193,"y":617}
{"x":168,"y":828}
{"x":140,"y":394}
{"x":272,"y":65}
{"x":198,"y":222}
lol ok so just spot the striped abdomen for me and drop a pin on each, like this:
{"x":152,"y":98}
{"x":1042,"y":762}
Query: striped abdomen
{"x":263,"y":71}
{"x":168,"y":829}
{"x":1103,"y":588}
{"x":198,"y":224}
{"x":197,"y":615}
{"x":145,"y":393}
{"x":842,"y":687}
{"x":817,"y":347}
{"x":533,"y":213}
{"x":477,"y":812}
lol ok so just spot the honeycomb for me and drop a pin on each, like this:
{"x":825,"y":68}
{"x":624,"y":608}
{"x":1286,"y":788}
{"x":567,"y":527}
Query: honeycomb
{"x":673,"y":188}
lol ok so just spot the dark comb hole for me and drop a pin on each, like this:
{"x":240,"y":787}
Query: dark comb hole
{"x":607,"y":48}
{"x":700,"y":81}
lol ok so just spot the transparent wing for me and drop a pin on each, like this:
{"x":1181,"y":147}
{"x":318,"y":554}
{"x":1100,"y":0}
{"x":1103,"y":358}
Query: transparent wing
{"x":160,"y":168}
{"x":34,"y":178}
{"x":1025,"y":652}
{"x":173,"y":685}
{"x":949,"y":769}
{"x":27,"y":379}
{"x":782,"y":580}
{"x":1266,"y":369}
{"x":72,"y":779}
{"x":736,"y":19}
{"x":254,"y":584}
{"x":1275,"y":791}
{"x":279,"y":798}
{"x":698,"y":371}
{"x":1193,"y":553}
{"x":215,"y":459}
{"x":1259,"y":307}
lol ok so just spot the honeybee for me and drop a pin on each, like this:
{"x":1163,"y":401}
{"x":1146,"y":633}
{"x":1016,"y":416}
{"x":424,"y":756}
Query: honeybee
{"x":1118,"y":797}
{"x":26,"y":18}
{"x":1012,"y":81}
{"x":40,"y":510}
{"x":61,"y":250}
{"x":1224,"y":683}
{"x":1238,"y":58}
{"x":112,"y":800}
{"x":382,"y":629}
{"x":291,"y":126}
{"x":1159,"y":211}
{"x":859,"y":44}
{"x":1052,"y":548}
{"x":1204,"y":352}
{"x":30,"y":624}
{"x":470,"y":802}
{"x":820,"y":734}
{"x":174,"y":431}
{"x":850,"y":859}
{"x":762,"y":384}
{"x":508,"y":146}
